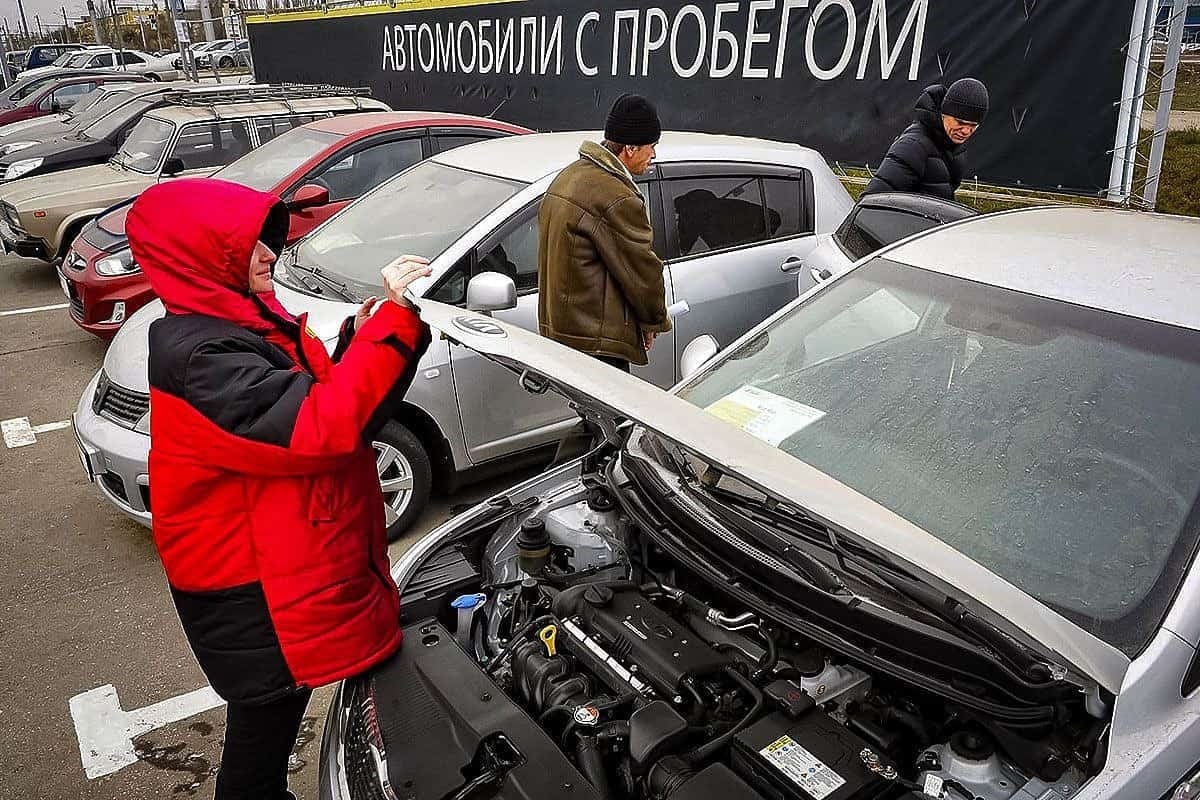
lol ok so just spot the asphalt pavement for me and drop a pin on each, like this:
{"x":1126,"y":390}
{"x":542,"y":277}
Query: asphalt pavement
{"x":85,"y":604}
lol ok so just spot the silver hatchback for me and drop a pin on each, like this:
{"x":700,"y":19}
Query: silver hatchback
{"x":728,"y":212}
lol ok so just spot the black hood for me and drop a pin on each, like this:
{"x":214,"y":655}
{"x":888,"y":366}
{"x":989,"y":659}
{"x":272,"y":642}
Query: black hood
{"x":64,"y":152}
{"x":928,"y":114}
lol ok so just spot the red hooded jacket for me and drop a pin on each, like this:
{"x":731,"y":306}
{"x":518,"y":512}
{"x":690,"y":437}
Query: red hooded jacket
{"x":268,"y":514}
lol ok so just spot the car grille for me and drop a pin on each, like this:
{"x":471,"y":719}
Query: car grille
{"x":361,"y":776}
{"x":119,"y":404}
{"x":76,"y":300}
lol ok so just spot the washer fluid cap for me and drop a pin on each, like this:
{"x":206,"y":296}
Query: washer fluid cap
{"x":468,"y":600}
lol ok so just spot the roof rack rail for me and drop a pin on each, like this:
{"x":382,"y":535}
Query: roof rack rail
{"x":257,"y":93}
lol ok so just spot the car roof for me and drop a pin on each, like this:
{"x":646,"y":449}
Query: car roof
{"x":530,"y":158}
{"x":1127,"y":262}
{"x":261,"y":107}
{"x":360,"y":123}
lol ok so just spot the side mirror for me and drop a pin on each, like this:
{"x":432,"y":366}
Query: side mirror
{"x":698,"y":353}
{"x":491,"y":291}
{"x":310,"y":195}
{"x":174,"y":166}
{"x":55,"y":107}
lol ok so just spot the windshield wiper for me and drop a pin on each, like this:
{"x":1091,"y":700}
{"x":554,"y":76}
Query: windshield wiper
{"x":325,"y":281}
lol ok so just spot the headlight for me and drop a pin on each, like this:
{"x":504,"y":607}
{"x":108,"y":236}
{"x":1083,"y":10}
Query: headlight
{"x":15,"y":146}
{"x":121,"y":263}
{"x":23,"y":167}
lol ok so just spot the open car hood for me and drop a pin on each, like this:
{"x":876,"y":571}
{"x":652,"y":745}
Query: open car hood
{"x":612,"y":395}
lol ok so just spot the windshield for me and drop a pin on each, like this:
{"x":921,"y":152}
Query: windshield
{"x":1056,"y":445}
{"x":265,"y":167}
{"x":422,"y":211}
{"x":112,"y":117}
{"x":79,"y":59}
{"x":143,"y":150}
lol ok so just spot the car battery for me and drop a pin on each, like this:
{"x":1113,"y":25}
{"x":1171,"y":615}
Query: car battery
{"x":810,"y":758}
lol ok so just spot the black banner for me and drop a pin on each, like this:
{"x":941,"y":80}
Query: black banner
{"x":837,"y":75}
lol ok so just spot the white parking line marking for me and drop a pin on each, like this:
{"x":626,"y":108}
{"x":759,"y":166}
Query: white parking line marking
{"x":34,"y":310}
{"x":106,"y":732}
{"x":19,"y":433}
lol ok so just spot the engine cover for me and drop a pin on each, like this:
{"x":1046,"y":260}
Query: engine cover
{"x":638,"y":633}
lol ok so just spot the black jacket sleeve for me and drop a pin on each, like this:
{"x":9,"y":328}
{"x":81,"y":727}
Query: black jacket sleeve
{"x":902,"y":169}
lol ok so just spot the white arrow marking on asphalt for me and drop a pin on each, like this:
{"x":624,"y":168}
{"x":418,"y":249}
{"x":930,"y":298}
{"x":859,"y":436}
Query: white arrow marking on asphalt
{"x":106,"y":732}
{"x":19,"y":433}
{"x":34,"y":310}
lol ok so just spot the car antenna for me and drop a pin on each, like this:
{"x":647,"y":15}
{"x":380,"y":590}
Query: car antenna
{"x":497,"y":108}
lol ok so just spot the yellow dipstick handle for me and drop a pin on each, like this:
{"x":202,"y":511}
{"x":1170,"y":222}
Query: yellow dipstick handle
{"x":548,"y":635}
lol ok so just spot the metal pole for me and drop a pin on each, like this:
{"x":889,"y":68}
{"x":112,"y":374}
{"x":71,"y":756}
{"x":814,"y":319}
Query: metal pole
{"x":24,"y":22}
{"x":206,"y":16}
{"x":66,"y":26}
{"x":157,"y":26}
{"x":4,"y":58}
{"x":1162,"y":122}
{"x":91,"y":7}
{"x":120,"y":36}
{"x":1137,"y":54}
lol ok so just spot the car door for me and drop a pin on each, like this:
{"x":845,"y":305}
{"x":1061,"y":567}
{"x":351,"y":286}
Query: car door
{"x":729,"y":229}
{"x":499,"y":416}
{"x":353,"y":172}
{"x":131,"y":61}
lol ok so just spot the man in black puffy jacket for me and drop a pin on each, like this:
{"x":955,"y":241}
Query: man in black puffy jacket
{"x":927,"y":157}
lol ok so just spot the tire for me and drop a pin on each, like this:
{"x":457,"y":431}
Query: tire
{"x":225,"y":63}
{"x":406,"y":477}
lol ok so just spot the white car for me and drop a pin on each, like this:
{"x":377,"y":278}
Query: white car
{"x":135,"y":61}
{"x":947,"y":556}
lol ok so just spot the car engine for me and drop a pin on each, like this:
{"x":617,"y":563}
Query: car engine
{"x":653,"y":690}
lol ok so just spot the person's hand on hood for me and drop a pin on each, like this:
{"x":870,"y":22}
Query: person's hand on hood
{"x":398,"y":275}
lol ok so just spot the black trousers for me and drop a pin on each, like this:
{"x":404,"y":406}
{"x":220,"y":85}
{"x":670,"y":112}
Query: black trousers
{"x":258,"y":741}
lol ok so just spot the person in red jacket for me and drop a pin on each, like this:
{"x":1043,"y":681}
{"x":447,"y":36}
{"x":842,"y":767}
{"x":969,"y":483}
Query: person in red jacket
{"x":268,"y":515}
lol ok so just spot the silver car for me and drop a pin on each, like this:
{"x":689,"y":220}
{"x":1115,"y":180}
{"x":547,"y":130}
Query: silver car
{"x":876,"y":221}
{"x":928,"y":532}
{"x":727,"y":213}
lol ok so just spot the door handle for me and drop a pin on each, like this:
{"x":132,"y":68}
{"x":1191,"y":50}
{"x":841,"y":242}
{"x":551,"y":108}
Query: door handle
{"x":791,"y":264}
{"x":820,"y":275}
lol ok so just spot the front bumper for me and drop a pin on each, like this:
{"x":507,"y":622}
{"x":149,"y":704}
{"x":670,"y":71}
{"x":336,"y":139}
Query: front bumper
{"x":21,"y":243}
{"x":94,"y":298}
{"x":114,"y":457}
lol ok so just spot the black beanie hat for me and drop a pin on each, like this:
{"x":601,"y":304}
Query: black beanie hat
{"x":633,"y":121}
{"x":966,"y":99}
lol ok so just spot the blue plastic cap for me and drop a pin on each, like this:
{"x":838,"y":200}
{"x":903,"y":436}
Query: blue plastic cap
{"x":468,"y":600}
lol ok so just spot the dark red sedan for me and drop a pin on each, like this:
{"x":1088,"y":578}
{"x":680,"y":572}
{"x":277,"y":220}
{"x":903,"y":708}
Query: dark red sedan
{"x":317,"y":169}
{"x":54,"y":96}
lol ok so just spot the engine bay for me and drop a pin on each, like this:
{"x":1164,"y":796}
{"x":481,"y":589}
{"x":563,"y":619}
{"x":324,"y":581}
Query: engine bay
{"x":654,"y":684}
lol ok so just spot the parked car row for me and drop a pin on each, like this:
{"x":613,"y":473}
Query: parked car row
{"x":917,"y":519}
{"x":127,"y":61}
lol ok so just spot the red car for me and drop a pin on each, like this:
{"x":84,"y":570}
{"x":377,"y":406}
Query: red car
{"x":59,"y":95}
{"x":316,"y":168}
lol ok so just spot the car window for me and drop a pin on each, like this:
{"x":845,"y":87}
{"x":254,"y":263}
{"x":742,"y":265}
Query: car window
{"x":270,"y":127}
{"x":66,"y":96}
{"x":360,"y":172}
{"x":785,"y":200}
{"x":717,"y":213}
{"x":872,"y":228}
{"x":102,"y":60}
{"x":264,"y":167}
{"x":516,"y":254}
{"x":443,"y":143}
{"x":144,"y":147}
{"x":131,"y":58}
{"x":211,"y":144}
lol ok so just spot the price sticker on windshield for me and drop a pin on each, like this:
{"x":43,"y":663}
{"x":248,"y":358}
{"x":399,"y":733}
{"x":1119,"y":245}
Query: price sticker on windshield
{"x":764,"y":415}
